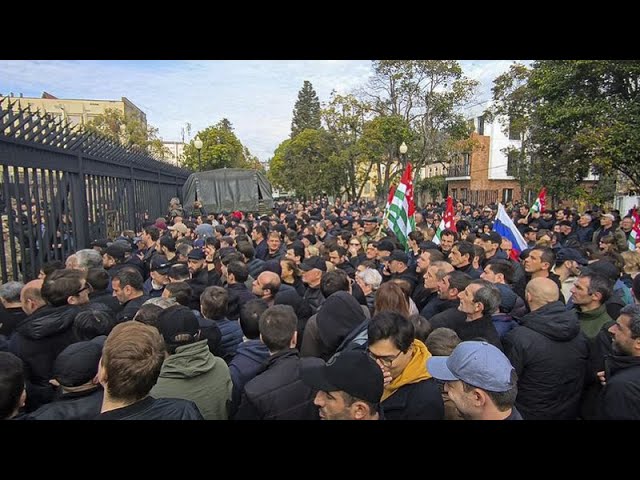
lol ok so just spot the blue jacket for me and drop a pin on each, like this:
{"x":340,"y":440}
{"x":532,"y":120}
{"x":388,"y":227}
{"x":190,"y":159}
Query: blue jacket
{"x":248,"y":361}
{"x":231,"y":338}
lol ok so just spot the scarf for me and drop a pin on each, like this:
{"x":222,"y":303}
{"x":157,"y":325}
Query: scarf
{"x":414,"y":372}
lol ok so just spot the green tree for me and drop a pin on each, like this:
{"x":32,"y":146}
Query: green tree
{"x":434,"y":186}
{"x":307,"y":164}
{"x":345,"y":117}
{"x":380,"y":142}
{"x":588,"y":114}
{"x":128,"y":131}
{"x":427,"y":95}
{"x":220,"y":149}
{"x":306,"y":112}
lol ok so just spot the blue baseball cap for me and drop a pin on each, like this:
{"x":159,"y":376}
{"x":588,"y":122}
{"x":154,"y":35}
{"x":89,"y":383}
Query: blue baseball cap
{"x":476,"y":363}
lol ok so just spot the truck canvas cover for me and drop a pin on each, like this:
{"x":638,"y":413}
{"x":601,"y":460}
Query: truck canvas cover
{"x":228,"y":189}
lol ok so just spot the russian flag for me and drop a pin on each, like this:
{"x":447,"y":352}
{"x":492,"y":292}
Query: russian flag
{"x":505,"y":227}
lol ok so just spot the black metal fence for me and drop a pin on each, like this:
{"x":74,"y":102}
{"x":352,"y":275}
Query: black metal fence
{"x":61,"y":187}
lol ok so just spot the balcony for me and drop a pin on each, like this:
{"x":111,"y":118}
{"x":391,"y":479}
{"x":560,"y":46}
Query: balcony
{"x":459,"y":170}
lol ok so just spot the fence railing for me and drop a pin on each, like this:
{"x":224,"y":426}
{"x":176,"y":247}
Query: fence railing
{"x":61,"y":187}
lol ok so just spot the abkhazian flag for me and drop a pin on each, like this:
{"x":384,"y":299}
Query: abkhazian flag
{"x":635,"y":231}
{"x":392,"y":191}
{"x":538,"y":205}
{"x":402,"y":208}
{"x":446,"y":222}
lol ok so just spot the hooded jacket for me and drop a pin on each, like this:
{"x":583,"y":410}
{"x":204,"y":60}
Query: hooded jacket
{"x":249,"y":360}
{"x":510,"y":302}
{"x":38,"y":339}
{"x":339,"y":315}
{"x":550,"y":355}
{"x":193,"y":373}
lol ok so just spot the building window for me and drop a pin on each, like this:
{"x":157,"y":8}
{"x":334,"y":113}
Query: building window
{"x":454,"y":193}
{"x":463,"y":195}
{"x":507,"y":195}
{"x":480,"y":125}
{"x":512,"y":164}
{"x":514,"y":133}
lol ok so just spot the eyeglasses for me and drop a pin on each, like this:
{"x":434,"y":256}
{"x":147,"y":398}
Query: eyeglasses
{"x":386,"y":360}
{"x":354,"y":244}
{"x":87,"y":286}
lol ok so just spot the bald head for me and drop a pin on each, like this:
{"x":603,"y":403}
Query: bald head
{"x":31,"y":297}
{"x":266,"y":285}
{"x":541,"y":291}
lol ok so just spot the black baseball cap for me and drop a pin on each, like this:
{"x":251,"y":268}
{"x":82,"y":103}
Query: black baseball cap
{"x":313,"y":262}
{"x":385,"y":245}
{"x":397,"y":255}
{"x":564,"y":254}
{"x":159,"y":263}
{"x":352,"y":372}
{"x":196,"y":254}
{"x":116,"y":250}
{"x":77,"y":364}
{"x":178,"y":320}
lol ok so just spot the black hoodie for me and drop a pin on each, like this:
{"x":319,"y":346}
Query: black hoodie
{"x":339,"y":315}
{"x":550,"y":355}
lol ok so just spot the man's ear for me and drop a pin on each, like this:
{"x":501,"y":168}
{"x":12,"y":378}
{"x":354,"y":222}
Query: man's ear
{"x":360,"y":410}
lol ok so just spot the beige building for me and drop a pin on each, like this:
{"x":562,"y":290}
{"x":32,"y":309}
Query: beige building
{"x":175,"y":155}
{"x":77,"y":111}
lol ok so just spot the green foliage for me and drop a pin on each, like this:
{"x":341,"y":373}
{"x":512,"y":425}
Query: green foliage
{"x":306,"y":112}
{"x":434,"y":186}
{"x":307,"y":164}
{"x":427,"y":95}
{"x":345,"y":117}
{"x":220,"y":149}
{"x":588,"y":114}
{"x":128,"y":131}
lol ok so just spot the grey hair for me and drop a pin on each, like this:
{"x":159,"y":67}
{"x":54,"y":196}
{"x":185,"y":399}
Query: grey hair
{"x":10,"y":291}
{"x":371,"y":277}
{"x":488,"y":295}
{"x":88,"y":258}
{"x":161,"y":302}
{"x":633,"y":311}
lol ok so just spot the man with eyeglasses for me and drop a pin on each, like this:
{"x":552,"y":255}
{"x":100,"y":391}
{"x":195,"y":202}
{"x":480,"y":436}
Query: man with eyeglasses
{"x":51,"y":305}
{"x":409,"y":391}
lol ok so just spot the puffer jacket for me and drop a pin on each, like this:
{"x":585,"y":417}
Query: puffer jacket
{"x":550,"y":355}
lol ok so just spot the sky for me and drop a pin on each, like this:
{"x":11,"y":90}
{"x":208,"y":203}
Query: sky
{"x":256,"y":96}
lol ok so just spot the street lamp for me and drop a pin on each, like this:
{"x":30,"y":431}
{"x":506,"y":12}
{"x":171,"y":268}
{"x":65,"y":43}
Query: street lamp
{"x":403,"y":153}
{"x":198,"y":144}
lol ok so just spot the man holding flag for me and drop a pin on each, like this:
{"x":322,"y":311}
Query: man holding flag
{"x":447,"y":223}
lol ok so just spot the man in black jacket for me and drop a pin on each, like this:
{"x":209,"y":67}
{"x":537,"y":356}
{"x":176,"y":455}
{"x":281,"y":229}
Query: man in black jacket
{"x":131,"y":361}
{"x":620,"y":398}
{"x":74,"y":373}
{"x":550,"y":355}
{"x":52,"y":306}
{"x":278,"y":393}
{"x":128,"y":288}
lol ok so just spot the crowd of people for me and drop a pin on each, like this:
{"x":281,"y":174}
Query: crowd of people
{"x":316,"y":311}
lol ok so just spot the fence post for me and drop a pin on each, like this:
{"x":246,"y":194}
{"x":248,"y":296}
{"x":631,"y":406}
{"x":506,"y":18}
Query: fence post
{"x":131,"y":193}
{"x":79,"y":201}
